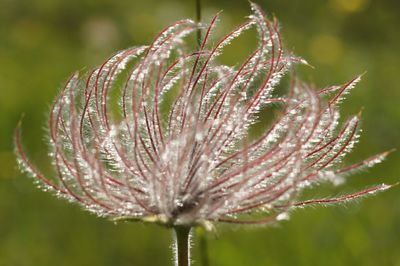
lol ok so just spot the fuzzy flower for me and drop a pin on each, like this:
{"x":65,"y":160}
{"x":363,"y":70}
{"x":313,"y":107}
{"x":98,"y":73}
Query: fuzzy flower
{"x":160,"y":133}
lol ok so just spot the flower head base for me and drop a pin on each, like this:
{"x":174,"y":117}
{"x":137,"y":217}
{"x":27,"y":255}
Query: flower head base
{"x":159,"y":133}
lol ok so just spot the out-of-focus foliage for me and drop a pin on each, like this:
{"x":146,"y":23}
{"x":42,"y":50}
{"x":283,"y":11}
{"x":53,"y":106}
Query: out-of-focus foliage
{"x":43,"y":41}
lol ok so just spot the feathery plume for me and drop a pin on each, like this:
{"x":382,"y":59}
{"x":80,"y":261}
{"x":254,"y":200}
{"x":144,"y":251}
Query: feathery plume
{"x":159,"y":133}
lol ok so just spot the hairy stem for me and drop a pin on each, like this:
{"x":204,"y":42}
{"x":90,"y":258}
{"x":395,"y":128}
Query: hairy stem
{"x":182,"y":245}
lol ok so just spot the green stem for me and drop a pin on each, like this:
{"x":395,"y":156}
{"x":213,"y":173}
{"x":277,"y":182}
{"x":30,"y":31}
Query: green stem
{"x":198,"y":19}
{"x":182,"y":246}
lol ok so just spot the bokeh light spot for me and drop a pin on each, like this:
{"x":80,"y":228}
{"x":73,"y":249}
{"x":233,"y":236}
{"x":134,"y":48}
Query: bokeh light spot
{"x":349,"y":6}
{"x":326,"y":49}
{"x":100,"y":33}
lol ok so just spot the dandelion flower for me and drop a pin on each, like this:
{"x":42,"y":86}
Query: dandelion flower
{"x":159,"y":133}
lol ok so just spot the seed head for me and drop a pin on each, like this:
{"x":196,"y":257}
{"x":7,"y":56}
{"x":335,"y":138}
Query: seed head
{"x":159,"y":133}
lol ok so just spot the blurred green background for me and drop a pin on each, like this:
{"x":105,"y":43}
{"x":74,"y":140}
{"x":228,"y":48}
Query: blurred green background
{"x":43,"y":41}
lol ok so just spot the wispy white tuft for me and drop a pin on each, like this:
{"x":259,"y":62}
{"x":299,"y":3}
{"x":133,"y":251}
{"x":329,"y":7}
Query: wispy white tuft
{"x":176,"y":149}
